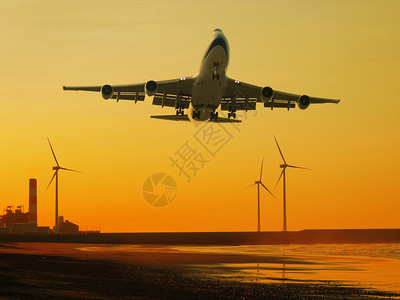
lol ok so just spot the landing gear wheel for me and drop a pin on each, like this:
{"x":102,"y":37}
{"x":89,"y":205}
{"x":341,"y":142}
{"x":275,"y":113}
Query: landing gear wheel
{"x":214,"y":116}
{"x":232,"y":113}
{"x":215,"y":76}
{"x":196,"y":115}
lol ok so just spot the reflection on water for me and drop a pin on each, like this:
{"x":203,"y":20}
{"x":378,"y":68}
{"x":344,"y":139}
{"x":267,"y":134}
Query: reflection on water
{"x":362,"y":265}
{"x":362,"y":250}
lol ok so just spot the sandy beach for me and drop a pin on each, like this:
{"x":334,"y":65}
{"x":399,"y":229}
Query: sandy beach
{"x":82,"y":271}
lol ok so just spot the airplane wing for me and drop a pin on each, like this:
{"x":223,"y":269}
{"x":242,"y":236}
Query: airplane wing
{"x":174,"y":93}
{"x":243,"y":96}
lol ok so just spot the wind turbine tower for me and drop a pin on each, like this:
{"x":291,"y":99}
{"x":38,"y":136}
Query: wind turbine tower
{"x":56,"y":169}
{"x":283,"y":173}
{"x":258,"y":183}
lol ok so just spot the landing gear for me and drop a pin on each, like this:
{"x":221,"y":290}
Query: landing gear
{"x":180,"y":112}
{"x":215,"y":74}
{"x":196,"y":115}
{"x":232,"y":113}
{"x":214,"y":116}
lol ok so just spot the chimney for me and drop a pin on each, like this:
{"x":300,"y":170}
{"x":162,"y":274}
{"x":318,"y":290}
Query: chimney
{"x":33,"y":201}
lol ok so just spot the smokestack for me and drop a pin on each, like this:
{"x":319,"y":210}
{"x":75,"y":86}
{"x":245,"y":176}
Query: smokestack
{"x":33,"y":201}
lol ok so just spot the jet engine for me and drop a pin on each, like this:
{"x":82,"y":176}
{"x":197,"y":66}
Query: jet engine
{"x":303,"y":102}
{"x":107,"y":91}
{"x":151,"y":88}
{"x":266,"y":94}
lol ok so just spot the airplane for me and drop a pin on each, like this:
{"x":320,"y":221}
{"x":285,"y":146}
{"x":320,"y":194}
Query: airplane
{"x":203,"y":94}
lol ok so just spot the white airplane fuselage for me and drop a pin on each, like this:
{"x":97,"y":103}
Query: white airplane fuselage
{"x":210,"y":85}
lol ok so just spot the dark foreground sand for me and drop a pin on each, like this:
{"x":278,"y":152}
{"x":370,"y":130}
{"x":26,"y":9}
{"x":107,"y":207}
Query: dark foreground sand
{"x":58,"y":271}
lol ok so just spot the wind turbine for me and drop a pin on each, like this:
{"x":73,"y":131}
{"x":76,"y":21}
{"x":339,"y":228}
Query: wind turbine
{"x":56,"y":169}
{"x":284,"y":166}
{"x":258,"y":182}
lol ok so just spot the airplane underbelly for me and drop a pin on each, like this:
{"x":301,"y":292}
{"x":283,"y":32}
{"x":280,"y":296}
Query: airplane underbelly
{"x":208,"y":94}
{"x":211,"y":83}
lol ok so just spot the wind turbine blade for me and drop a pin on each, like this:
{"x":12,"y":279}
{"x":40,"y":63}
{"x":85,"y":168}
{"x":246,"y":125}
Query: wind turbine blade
{"x":250,"y":185}
{"x":296,"y":167}
{"x":53,"y":152}
{"x":70,"y":170}
{"x":262,"y":163}
{"x":54,"y":175}
{"x":267,"y":190}
{"x":280,"y":176}
{"x":279,"y":148}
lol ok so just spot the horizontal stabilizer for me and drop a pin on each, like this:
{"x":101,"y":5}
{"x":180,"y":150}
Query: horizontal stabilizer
{"x":186,"y":118}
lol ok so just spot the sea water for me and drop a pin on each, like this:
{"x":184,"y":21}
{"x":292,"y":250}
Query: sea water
{"x":374,"y":266}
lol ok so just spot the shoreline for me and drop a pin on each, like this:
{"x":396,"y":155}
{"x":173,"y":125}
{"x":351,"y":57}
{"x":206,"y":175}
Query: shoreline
{"x":37,"y":276}
{"x":58,"y":271}
{"x":309,"y":236}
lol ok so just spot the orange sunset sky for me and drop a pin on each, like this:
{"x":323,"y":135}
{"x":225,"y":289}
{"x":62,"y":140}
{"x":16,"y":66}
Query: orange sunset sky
{"x":339,"y":49}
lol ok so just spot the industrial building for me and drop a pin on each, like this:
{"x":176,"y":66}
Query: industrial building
{"x":16,"y":221}
{"x":67,"y":227}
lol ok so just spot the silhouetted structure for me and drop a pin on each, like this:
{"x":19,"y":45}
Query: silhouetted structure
{"x":258,"y":182}
{"x":67,"y":227}
{"x":284,"y":166}
{"x":55,"y":175}
{"x":19,"y":222}
{"x":14,"y":216}
{"x":33,"y":201}
{"x":16,"y":221}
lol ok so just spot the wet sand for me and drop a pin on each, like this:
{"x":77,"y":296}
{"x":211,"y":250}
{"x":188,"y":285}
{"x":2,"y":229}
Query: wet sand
{"x":80,"y":271}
